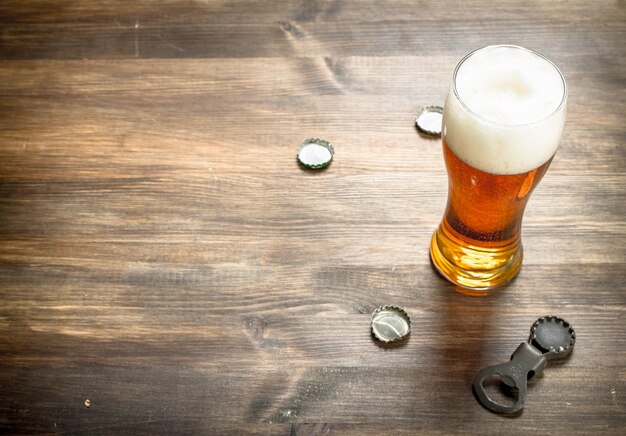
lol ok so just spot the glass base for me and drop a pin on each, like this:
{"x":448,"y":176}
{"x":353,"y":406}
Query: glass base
{"x":471,"y":266}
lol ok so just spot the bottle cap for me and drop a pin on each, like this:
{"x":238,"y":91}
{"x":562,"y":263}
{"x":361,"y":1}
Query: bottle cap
{"x":390,"y":323}
{"x":553,"y":336}
{"x":315,"y":153}
{"x":429,"y":119}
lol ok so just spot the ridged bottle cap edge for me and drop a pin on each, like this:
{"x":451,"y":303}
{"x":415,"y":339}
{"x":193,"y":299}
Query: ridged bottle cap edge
{"x":320,"y":142}
{"x":423,"y":129}
{"x":400,"y":312}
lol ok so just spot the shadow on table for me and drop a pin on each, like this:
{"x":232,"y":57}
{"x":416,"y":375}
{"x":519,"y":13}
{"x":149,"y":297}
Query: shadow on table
{"x":468,"y":332}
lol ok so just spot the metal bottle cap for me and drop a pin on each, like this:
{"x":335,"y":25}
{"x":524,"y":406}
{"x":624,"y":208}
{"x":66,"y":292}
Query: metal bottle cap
{"x":429,"y":119}
{"x":315,"y":153}
{"x":390,"y":323}
{"x":553,"y":336}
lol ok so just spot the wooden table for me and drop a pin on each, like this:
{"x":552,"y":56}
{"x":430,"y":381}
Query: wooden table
{"x":166,"y":266}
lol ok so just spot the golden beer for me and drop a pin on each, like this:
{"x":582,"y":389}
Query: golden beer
{"x":502,"y":122}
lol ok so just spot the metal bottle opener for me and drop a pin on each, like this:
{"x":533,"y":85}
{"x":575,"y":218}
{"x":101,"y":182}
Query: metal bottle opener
{"x":550,"y":338}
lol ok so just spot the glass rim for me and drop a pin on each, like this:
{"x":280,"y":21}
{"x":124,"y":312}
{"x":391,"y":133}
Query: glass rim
{"x":496,"y":123}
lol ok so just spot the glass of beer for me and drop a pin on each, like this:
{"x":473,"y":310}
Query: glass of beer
{"x":502,"y":123}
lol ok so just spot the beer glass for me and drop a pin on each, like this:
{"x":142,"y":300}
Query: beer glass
{"x":502,"y":123}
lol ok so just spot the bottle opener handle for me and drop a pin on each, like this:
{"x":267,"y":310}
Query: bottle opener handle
{"x":525,"y":363}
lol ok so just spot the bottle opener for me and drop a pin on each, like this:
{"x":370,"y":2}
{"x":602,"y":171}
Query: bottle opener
{"x":550,"y":338}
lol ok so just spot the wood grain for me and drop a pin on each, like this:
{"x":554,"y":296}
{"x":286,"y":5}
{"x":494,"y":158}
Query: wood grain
{"x":163,"y":255}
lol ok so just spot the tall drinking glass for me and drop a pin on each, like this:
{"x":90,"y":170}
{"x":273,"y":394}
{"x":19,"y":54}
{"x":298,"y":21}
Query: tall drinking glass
{"x":502,"y":123}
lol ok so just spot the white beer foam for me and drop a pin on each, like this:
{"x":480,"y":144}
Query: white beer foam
{"x":511,"y":118}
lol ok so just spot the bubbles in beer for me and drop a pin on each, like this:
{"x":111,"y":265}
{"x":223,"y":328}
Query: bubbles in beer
{"x":507,"y":110}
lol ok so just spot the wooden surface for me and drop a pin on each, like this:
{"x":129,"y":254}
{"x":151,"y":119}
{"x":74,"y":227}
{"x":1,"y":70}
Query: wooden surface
{"x":163,"y":256}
